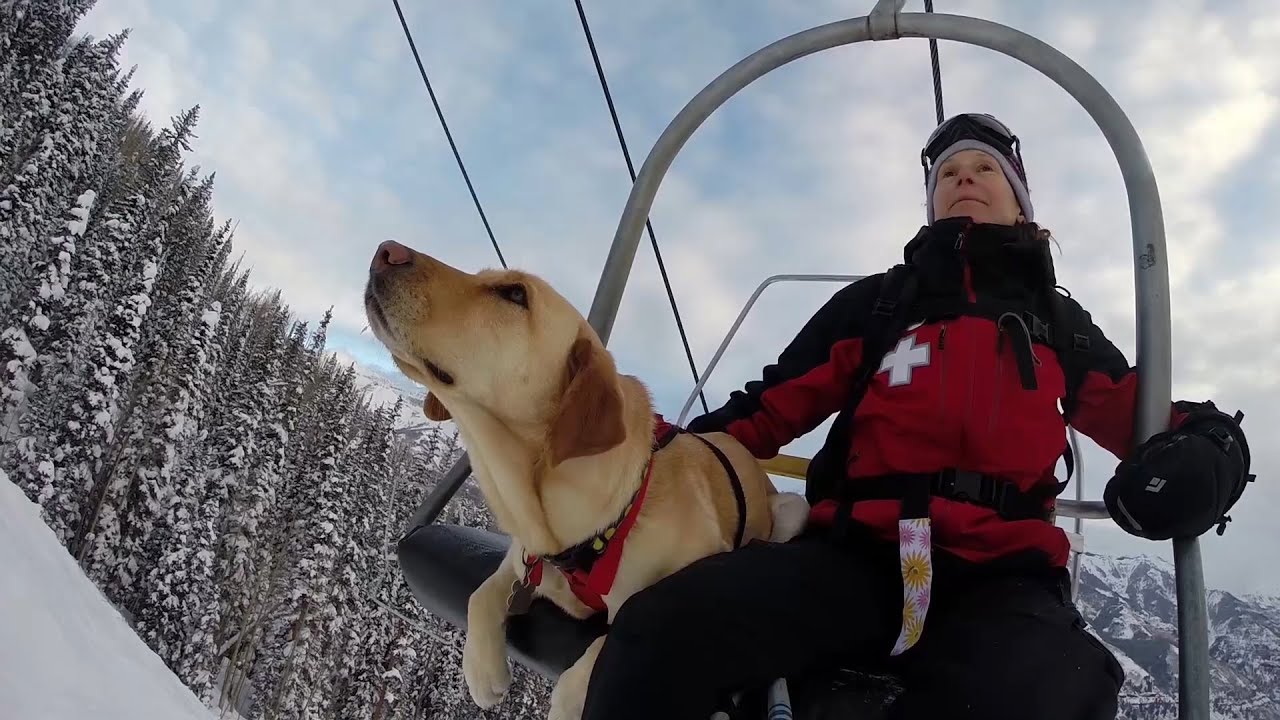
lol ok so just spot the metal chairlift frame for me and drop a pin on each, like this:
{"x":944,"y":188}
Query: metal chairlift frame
{"x":886,"y":21}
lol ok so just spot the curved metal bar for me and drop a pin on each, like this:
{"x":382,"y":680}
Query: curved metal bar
{"x":1083,"y":509}
{"x":737,"y":323}
{"x":1146,"y":219}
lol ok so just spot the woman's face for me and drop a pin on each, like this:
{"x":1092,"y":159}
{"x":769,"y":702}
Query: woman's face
{"x":971,"y":183}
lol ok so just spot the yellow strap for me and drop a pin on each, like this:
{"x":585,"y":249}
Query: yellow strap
{"x":786,"y":465}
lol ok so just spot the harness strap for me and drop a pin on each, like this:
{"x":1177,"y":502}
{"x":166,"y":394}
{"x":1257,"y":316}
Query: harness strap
{"x":999,"y":494}
{"x":888,"y":316}
{"x":591,"y":583}
{"x":738,"y":495}
{"x":591,"y":566}
{"x":1022,"y":349}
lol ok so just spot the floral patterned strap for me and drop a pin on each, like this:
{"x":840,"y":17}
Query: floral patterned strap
{"x":915,"y":540}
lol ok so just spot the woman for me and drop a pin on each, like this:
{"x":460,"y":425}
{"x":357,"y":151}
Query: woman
{"x":931,"y":551}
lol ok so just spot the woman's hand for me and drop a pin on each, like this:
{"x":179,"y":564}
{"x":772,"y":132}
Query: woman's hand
{"x":1182,"y":482}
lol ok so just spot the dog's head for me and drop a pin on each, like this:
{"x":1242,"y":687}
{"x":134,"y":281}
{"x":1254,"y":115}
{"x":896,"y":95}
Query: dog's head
{"x":500,"y":342}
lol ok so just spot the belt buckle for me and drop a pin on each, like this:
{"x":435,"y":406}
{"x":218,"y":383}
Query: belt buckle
{"x":965,"y":484}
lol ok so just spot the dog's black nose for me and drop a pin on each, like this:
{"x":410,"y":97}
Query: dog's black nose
{"x":388,"y":254}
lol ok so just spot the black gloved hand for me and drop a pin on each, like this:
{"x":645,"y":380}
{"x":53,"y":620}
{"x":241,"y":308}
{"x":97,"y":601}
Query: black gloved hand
{"x":1182,"y":482}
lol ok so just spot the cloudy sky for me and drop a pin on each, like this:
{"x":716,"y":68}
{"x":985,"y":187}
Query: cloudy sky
{"x":325,"y":143}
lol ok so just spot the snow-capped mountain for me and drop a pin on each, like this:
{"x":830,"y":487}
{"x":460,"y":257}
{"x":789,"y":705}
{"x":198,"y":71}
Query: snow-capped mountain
{"x":384,"y":388}
{"x":1131,"y":604}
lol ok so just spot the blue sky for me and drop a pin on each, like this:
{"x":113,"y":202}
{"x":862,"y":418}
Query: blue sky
{"x":325,"y":143}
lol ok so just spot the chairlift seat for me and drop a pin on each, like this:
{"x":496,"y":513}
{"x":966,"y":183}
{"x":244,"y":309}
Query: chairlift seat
{"x":443,"y":564}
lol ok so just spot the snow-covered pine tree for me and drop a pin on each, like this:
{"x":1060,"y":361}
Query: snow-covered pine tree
{"x":183,"y":541}
{"x":367,"y":532}
{"x":96,"y":275}
{"x":93,"y":275}
{"x":62,"y":176}
{"x":197,"y":663}
{"x":301,"y":415}
{"x":119,"y":297}
{"x":244,"y":474}
{"x":72,"y":133}
{"x":386,"y":646}
{"x":198,"y":660}
{"x":33,"y":349}
{"x":307,"y":594}
{"x":142,"y":219}
{"x":157,"y":432}
{"x":33,"y":38}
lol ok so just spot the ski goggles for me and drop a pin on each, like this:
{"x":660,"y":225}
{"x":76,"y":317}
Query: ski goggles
{"x":972,"y":126}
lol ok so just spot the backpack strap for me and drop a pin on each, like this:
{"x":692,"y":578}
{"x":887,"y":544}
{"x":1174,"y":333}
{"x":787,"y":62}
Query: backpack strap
{"x":1070,"y":341}
{"x":889,"y":315}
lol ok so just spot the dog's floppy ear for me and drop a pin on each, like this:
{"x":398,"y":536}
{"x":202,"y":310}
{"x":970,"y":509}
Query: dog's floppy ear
{"x":434,"y":409}
{"x":589,"y":419}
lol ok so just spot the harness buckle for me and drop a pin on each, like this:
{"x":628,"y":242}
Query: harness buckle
{"x":963,"y":484}
{"x":883,"y":306}
{"x":1038,"y":328}
{"x":1081,"y":342}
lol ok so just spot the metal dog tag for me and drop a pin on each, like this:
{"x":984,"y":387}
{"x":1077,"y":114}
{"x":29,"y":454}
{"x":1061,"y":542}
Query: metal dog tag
{"x":520,"y":598}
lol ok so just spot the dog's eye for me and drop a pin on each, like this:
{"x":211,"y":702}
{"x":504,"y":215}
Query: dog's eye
{"x":514,"y":293}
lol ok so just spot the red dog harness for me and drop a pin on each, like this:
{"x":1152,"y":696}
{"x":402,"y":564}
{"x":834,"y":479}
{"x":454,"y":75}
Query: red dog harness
{"x":591,"y":566}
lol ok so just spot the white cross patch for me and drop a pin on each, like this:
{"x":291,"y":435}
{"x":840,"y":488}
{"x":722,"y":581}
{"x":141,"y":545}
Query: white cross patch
{"x":904,"y":359}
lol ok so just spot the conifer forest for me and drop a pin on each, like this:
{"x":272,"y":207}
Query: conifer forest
{"x":218,"y":474}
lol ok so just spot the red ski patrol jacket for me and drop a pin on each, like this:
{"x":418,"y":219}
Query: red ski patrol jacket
{"x":964,"y":397}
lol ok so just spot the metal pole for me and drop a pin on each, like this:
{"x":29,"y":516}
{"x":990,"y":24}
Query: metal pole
{"x":434,"y":503}
{"x":1146,"y":219}
{"x":1075,"y":561}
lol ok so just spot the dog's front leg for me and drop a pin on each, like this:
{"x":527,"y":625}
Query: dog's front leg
{"x":484,"y":654}
{"x":570,"y":692}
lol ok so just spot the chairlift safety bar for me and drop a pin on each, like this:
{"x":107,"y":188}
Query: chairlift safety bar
{"x":737,"y":323}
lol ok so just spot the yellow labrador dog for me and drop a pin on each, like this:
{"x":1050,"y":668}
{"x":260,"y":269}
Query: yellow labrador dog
{"x":561,"y":444}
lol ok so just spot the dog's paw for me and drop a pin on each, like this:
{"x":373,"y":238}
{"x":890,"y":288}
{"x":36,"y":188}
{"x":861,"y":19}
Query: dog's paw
{"x":568,"y":696}
{"x":484,"y":666}
{"x":790,"y":513}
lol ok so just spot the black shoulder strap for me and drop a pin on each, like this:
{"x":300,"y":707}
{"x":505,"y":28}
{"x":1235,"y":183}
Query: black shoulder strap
{"x":888,"y":317}
{"x":738,"y":496}
{"x":1070,"y":340}
{"x":1071,"y":344}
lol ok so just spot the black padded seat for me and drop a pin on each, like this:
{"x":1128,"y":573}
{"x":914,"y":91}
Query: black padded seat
{"x":443,"y":564}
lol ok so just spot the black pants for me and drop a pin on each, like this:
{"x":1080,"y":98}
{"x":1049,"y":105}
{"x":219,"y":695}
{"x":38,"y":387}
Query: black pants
{"x":996,"y":644}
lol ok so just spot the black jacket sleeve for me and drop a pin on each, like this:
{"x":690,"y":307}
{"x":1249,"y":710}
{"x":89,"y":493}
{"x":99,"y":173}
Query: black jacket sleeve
{"x":1107,"y":398}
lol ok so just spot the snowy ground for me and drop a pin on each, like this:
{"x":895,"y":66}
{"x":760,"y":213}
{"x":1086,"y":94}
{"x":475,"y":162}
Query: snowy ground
{"x":65,"y":653}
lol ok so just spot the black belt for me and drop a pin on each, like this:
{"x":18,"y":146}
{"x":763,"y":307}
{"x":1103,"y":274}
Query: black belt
{"x":914,"y":490}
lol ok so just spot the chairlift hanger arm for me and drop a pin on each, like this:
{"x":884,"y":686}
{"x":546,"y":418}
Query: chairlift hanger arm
{"x":1146,"y":220}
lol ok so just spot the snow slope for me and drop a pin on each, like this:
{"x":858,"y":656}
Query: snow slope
{"x":65,"y":653}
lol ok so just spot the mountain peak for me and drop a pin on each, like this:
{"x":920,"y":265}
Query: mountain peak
{"x":1132,"y":604}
